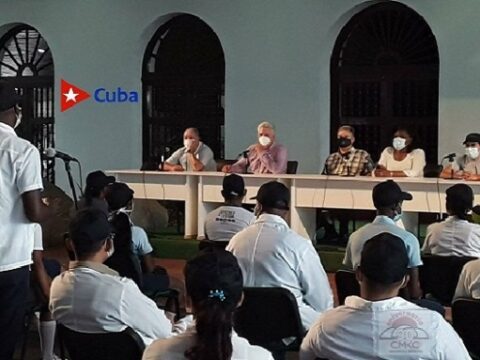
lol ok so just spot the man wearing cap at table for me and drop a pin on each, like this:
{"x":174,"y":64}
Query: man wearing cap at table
{"x":270,"y":254}
{"x":21,"y":206}
{"x":387,"y":198}
{"x":468,"y":165}
{"x":224,"y":222}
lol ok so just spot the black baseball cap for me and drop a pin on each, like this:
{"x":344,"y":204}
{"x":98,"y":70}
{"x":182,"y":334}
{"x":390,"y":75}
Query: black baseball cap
{"x":273,"y":195}
{"x":90,"y":226}
{"x":384,"y":259}
{"x":472,"y":138}
{"x":98,"y":180}
{"x":388,"y":193}
{"x":233,"y":185}
{"x":460,"y":196}
{"x":8,"y":96}
{"x":118,"y":195}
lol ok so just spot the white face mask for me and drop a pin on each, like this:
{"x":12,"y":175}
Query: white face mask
{"x":188,"y":143}
{"x":472,"y":152}
{"x":112,"y":249}
{"x":399,"y":143}
{"x":264,"y":140}
{"x":19,"y":120}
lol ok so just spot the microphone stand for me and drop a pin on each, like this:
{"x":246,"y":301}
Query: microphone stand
{"x":68,"y":169}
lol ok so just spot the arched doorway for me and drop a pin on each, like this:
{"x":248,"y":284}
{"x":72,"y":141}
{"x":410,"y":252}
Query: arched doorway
{"x":183,"y":86}
{"x":26,"y":63}
{"x":384,"y":74}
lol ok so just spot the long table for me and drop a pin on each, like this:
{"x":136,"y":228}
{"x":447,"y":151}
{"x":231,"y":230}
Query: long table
{"x":201,"y":193}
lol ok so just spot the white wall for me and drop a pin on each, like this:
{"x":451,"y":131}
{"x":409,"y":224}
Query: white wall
{"x":277,"y":56}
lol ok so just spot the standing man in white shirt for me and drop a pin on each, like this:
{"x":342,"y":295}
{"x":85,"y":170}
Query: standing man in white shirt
{"x":193,"y":156}
{"x":90,"y":297}
{"x":270,"y":254}
{"x":20,"y":206}
{"x":455,"y":236}
{"x":379,"y":324}
{"x":225,"y":221}
{"x":387,"y":198}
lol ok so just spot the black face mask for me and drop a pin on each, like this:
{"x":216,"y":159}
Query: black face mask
{"x":344,"y":142}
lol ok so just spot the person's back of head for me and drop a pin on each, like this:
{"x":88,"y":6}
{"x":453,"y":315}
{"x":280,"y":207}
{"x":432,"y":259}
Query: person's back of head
{"x":388,"y":197}
{"x":459,"y":200}
{"x":118,"y":196}
{"x":273,"y":198}
{"x":9,"y":99}
{"x":383,"y":267}
{"x":214,"y":283}
{"x":91,"y":235}
{"x":96,"y":184}
{"x":233,"y":188}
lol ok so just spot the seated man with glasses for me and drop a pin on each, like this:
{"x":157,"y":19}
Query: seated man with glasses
{"x":92,"y":298}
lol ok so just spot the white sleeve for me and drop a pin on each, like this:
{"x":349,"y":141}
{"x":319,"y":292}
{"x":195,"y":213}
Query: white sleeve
{"x":174,"y":159}
{"x":29,"y":172}
{"x":347,"y":259}
{"x":427,"y":245}
{"x":310,"y":348}
{"x":142,"y":314}
{"x":383,"y":158}
{"x":314,"y":281}
{"x":37,"y":237}
{"x":418,"y":164}
{"x":451,"y":346}
{"x":462,"y":287}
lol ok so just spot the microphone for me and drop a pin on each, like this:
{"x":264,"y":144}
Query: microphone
{"x":450,"y":157}
{"x":52,"y":153}
{"x":244,"y":153}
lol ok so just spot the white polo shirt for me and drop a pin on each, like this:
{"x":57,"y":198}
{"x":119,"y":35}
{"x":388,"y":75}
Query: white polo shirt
{"x":20,"y":172}
{"x":389,"y":329}
{"x":453,"y":237}
{"x":224,"y":222}
{"x":469,"y":281}
{"x":203,"y":153}
{"x":174,"y":348}
{"x":92,"y":298}
{"x":380,"y":225}
{"x":270,"y":254}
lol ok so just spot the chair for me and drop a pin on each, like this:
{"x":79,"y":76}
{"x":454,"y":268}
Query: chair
{"x":124,"y":345}
{"x":292,"y":167}
{"x":466,"y":317}
{"x":267,"y":316}
{"x":212,"y":245}
{"x":346,"y":284}
{"x":439,"y":276}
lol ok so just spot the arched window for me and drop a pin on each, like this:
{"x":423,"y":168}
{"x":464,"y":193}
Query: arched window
{"x":183,"y":86}
{"x":26,"y":63}
{"x":384,"y":74}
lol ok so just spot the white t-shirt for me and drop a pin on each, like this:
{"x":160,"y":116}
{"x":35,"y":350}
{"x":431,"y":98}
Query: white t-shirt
{"x":270,"y":254}
{"x":174,"y":348}
{"x":389,"y":329}
{"x":37,"y":237}
{"x":453,"y":237}
{"x":412,"y":165}
{"x":469,"y":281}
{"x":224,"y":222}
{"x":20,"y":173}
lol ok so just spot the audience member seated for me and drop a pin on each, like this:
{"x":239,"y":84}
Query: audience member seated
{"x":401,"y":159}
{"x":467,"y":166}
{"x":373,"y":325}
{"x":455,"y":236}
{"x":90,"y":297}
{"x":387,"y":199}
{"x":265,"y":157}
{"x":214,"y":284}
{"x":348,"y":161}
{"x":95,"y":191}
{"x":43,"y":271}
{"x":270,"y":254}
{"x":227,"y":220}
{"x":131,"y":240}
{"x":193,"y":156}
{"x":469,"y":281}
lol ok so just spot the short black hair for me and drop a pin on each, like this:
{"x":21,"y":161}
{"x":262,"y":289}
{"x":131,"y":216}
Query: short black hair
{"x":384,"y":259}
{"x":88,"y":231}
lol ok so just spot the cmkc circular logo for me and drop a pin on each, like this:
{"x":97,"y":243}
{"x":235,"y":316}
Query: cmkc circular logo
{"x":72,"y":95}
